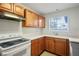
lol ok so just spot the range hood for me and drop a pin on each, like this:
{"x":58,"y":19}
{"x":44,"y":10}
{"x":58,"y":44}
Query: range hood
{"x":10,"y":16}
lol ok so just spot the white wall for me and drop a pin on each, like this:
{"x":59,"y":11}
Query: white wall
{"x":8,"y":26}
{"x":73,"y":14}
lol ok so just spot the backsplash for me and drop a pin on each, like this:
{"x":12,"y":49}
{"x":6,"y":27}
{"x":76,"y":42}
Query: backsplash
{"x":8,"y":26}
{"x":31,"y":32}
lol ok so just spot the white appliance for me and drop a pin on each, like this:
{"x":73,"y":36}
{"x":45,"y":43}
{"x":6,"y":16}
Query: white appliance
{"x":13,"y":45}
{"x":75,"y":48}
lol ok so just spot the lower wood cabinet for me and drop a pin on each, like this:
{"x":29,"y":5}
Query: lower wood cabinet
{"x":37,"y":46}
{"x":50,"y":44}
{"x":41,"y":45}
{"x":34,"y":48}
{"x":59,"y":46}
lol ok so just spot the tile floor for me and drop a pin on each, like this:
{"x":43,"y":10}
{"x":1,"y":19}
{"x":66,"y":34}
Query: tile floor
{"x":45,"y":53}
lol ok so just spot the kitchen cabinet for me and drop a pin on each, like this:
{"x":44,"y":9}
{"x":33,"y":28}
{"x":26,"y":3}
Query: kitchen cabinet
{"x":57,"y":46}
{"x":41,"y":22}
{"x":50,"y":44}
{"x":61,"y":46}
{"x":35,"y":20}
{"x":19,"y":10}
{"x":37,"y":46}
{"x":54,"y":45}
{"x":14,"y":8}
{"x":31,"y":19}
{"x":41,"y":45}
{"x":6,"y":7}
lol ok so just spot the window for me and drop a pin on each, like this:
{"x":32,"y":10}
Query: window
{"x":58,"y":23}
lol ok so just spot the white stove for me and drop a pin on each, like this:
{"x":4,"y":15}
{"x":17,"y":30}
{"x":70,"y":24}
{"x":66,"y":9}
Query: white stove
{"x":13,"y":45}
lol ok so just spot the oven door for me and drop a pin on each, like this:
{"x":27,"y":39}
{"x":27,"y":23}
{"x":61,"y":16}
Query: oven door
{"x":16,"y":51}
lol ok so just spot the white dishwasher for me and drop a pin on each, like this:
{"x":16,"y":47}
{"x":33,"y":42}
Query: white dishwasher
{"x":75,"y":48}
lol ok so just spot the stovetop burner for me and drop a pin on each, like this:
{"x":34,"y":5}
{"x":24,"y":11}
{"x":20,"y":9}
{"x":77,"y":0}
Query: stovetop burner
{"x":14,"y":42}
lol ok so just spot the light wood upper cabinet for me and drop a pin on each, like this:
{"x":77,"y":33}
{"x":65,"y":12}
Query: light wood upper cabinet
{"x":31,"y":19}
{"x":6,"y":6}
{"x":14,"y":8}
{"x":35,"y":20}
{"x":41,"y":22}
{"x":19,"y":10}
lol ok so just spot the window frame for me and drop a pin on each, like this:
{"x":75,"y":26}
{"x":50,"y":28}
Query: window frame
{"x":52,"y":18}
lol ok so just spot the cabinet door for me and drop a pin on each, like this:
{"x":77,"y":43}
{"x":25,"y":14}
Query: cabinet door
{"x":47,"y":44}
{"x":6,"y":6}
{"x":41,"y":21}
{"x":41,"y":45}
{"x":50,"y":44}
{"x":19,"y":10}
{"x":35,"y":20}
{"x":29,"y":19}
{"x":35,"y":47}
{"x":60,"y":46}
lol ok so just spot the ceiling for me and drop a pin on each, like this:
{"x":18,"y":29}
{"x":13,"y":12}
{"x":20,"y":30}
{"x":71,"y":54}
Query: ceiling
{"x":44,"y":8}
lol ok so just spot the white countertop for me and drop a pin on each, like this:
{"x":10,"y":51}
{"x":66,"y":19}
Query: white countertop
{"x":38,"y":36}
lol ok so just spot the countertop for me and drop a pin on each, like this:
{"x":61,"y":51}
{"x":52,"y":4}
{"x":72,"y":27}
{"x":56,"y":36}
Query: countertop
{"x":38,"y":36}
